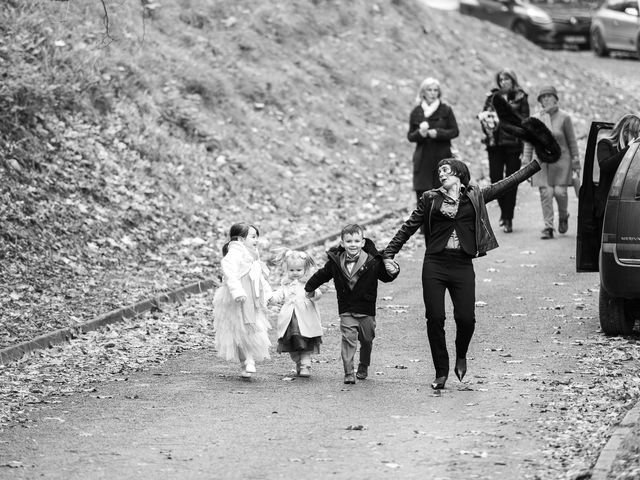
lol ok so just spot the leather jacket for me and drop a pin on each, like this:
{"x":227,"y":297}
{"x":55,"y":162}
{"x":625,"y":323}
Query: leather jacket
{"x":479,"y":197}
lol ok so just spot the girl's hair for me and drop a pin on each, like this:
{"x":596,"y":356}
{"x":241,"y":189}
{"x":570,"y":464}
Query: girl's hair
{"x":285,"y":256}
{"x":427,"y":82}
{"x":458,"y":168}
{"x":626,"y":128}
{"x":238,"y":230}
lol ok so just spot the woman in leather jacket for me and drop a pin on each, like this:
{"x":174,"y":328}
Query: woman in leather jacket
{"x":457,"y":229}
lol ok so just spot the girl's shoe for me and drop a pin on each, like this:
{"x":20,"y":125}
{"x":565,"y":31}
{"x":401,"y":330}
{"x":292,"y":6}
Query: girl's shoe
{"x":438,"y":383}
{"x":349,"y":379}
{"x":250,"y":366}
{"x":244,"y":373}
{"x":305,"y":371}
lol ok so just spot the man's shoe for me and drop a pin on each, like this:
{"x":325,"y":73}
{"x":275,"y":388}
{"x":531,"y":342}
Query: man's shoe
{"x":363,"y":372}
{"x":563,"y":224}
{"x":547,"y":234}
{"x":305,"y":371}
{"x":508,"y":226}
{"x":349,"y":379}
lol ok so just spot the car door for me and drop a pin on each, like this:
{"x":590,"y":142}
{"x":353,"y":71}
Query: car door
{"x":617,"y":20}
{"x":625,"y":189}
{"x":628,"y":25}
{"x":587,"y":237}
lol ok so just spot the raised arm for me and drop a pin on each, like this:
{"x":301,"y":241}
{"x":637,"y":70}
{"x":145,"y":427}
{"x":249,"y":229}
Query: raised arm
{"x":496,"y":190}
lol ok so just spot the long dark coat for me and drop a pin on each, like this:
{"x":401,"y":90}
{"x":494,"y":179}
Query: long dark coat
{"x":429,"y":151}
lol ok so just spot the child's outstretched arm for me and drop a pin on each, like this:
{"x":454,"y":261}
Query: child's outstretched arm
{"x":322,"y":275}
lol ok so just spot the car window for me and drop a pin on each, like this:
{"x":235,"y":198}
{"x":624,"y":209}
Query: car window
{"x":632,"y":178}
{"x":619,"y":5}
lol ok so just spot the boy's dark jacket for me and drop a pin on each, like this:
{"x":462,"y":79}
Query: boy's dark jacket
{"x":362,"y":297}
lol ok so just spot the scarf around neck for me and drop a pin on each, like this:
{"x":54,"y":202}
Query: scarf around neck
{"x":428,"y":109}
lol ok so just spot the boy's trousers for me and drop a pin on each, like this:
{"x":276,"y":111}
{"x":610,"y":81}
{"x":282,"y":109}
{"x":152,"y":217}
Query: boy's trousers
{"x":354,"y":329}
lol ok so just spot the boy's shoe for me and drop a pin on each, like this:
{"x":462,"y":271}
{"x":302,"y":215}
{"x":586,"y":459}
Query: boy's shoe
{"x":563,"y":224}
{"x":349,"y":379}
{"x":245,"y":374}
{"x":547,"y":234}
{"x":305,"y":371}
{"x":363,"y":372}
{"x":250,"y":366}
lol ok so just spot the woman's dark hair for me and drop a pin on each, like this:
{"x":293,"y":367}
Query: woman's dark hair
{"x":238,"y":230}
{"x":459,"y":169}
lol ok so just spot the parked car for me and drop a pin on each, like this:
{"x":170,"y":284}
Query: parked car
{"x":616,"y":253}
{"x":616,"y":26}
{"x":549,"y":23}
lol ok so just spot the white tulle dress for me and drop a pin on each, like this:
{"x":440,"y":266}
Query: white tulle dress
{"x":241,"y":329}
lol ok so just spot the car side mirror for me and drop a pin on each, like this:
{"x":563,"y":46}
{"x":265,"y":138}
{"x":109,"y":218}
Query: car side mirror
{"x":633,"y":11}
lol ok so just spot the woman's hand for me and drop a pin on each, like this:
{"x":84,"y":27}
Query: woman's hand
{"x":432,"y":133}
{"x":424,"y":128}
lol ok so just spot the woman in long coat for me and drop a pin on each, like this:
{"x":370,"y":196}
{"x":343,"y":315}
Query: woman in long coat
{"x":553,"y":179}
{"x":432,"y":126}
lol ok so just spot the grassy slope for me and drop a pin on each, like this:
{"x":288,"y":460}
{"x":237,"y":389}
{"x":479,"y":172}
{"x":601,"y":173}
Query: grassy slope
{"x":124,"y":160}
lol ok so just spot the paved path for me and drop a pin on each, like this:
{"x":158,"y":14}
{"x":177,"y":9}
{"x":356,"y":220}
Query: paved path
{"x":193,"y":417}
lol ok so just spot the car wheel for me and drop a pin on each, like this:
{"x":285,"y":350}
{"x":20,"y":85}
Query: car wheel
{"x":597,"y":44}
{"x":520,"y":28}
{"x":614,"y":319}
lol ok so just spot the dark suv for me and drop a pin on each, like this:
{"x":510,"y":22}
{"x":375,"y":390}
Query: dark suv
{"x":616,"y":253}
{"x":551,"y":23}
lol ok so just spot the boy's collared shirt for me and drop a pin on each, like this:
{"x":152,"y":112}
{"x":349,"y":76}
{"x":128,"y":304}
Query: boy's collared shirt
{"x":351,"y":265}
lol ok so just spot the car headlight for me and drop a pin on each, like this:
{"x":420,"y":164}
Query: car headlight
{"x":540,"y":17}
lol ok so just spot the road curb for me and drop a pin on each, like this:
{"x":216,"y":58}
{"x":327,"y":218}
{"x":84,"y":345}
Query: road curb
{"x":610,"y":451}
{"x":63,"y":335}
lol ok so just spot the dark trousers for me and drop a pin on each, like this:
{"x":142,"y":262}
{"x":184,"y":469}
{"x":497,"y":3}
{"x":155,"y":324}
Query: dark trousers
{"x":503,"y":161}
{"x":453,"y":271}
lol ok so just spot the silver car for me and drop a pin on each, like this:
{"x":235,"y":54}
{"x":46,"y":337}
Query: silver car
{"x":615,"y":26}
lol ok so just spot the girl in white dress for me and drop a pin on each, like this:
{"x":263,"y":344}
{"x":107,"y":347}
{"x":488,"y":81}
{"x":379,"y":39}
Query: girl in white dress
{"x":299,"y":328}
{"x":240,"y":304}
